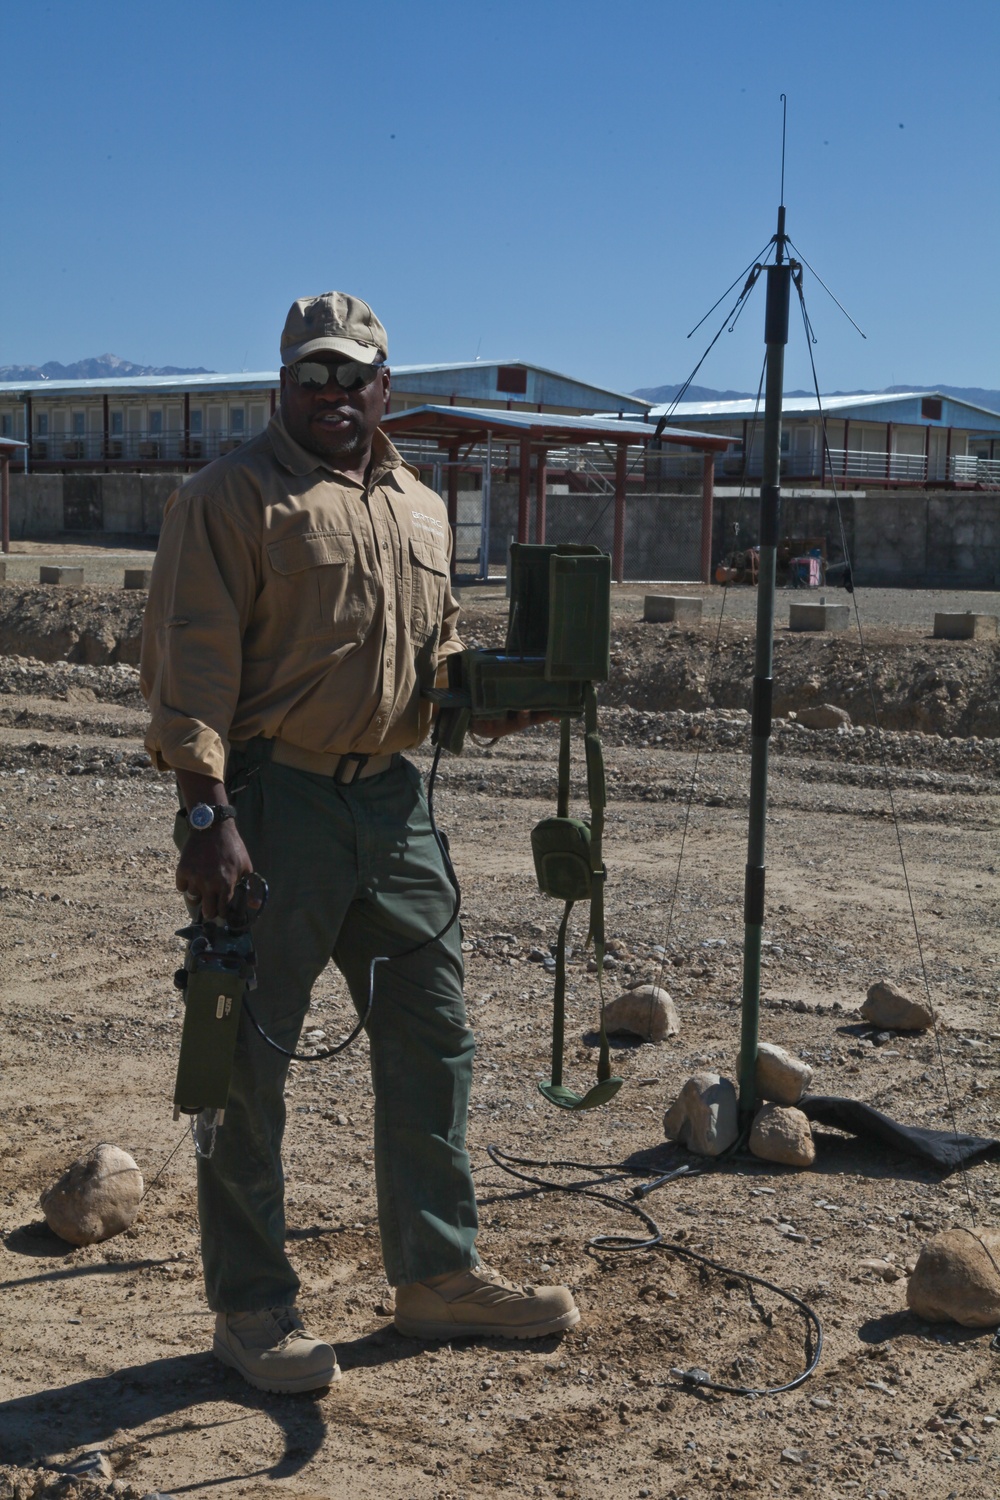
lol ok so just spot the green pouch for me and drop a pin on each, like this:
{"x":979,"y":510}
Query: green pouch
{"x":561,"y":848}
{"x":213,"y":999}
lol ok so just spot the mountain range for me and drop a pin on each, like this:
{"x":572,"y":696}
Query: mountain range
{"x":659,"y":394}
{"x":104,"y":367}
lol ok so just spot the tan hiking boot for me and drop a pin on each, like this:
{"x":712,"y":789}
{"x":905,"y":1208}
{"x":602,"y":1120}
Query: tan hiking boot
{"x":272,"y":1350}
{"x":482,"y":1303}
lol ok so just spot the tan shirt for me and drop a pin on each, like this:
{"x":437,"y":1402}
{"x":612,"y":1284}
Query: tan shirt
{"x":290,"y":601}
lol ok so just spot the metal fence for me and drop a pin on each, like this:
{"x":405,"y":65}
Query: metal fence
{"x":128,"y":447}
{"x":662,"y":523}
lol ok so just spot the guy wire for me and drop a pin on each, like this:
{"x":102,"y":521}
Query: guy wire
{"x":880,"y":740}
{"x":714,"y":660}
{"x":734,"y":312}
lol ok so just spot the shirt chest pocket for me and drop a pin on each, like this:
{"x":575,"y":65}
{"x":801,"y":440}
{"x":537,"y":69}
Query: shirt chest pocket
{"x":320,"y":587}
{"x":428,"y":575}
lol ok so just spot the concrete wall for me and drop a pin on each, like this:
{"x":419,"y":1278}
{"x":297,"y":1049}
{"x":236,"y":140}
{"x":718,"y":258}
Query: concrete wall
{"x":49,"y":504}
{"x":912,"y":538}
{"x":917,"y":538}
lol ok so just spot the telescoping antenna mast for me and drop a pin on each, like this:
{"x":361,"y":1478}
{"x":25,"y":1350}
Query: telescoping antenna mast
{"x":779,"y":283}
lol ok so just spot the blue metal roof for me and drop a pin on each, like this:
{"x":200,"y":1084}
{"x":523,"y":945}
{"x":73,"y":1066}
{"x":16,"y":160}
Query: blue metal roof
{"x":584,"y":429}
{"x":902,"y":406}
{"x":471,"y":379}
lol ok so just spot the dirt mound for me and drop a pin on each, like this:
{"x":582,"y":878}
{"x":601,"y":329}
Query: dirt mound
{"x":91,"y":625}
{"x":935,"y":687}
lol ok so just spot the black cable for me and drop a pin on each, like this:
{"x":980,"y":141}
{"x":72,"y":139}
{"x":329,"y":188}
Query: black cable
{"x":328,"y":1052}
{"x":689,"y":1379}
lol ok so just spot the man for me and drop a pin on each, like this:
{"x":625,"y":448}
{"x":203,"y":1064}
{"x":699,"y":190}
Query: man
{"x":300,"y":605}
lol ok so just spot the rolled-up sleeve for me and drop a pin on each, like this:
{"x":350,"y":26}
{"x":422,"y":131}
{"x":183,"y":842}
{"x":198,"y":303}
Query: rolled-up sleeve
{"x":200,"y":602}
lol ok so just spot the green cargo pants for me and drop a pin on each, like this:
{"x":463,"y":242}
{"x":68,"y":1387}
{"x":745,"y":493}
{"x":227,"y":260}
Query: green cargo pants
{"x":355,"y":874}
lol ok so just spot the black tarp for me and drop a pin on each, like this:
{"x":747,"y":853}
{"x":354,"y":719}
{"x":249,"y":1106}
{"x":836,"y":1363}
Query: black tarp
{"x":941,"y":1148}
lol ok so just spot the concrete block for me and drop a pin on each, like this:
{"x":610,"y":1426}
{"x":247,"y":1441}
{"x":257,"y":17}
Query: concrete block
{"x":138,"y":578}
{"x":819,"y":616}
{"x":60,"y":575}
{"x":661,"y":608}
{"x":965,"y":627}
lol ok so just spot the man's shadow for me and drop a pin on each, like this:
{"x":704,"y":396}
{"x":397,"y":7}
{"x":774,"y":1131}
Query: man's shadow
{"x":85,"y":1413}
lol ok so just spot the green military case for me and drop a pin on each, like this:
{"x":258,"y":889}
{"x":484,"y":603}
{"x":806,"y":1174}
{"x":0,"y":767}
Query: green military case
{"x":558,"y":640}
{"x":213,"y":999}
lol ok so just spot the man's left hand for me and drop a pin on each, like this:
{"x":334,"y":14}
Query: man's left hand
{"x":495,"y":729}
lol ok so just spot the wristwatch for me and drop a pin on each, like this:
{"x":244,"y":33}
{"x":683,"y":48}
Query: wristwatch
{"x":205,"y":815}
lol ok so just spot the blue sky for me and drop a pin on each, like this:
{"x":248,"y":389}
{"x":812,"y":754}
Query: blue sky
{"x":561,"y":181}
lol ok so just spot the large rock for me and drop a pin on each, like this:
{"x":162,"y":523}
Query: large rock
{"x":96,"y":1198}
{"x":646,"y":1011}
{"x":779,"y":1076}
{"x":704,"y":1116}
{"x":783,"y":1135}
{"x":957,"y":1279}
{"x":889,"y":1008}
{"x":824,"y":716}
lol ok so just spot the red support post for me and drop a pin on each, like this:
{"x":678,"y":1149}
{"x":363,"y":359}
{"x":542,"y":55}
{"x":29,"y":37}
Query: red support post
{"x":453,"y":503}
{"x":927,"y":454}
{"x":707,"y":503}
{"x":618,"y":545}
{"x":947,"y":456}
{"x":5,"y":502}
{"x":524,"y":489}
{"x":541,"y":480}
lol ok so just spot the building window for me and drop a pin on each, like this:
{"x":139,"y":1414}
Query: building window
{"x":195,"y":420}
{"x":42,"y":424}
{"x":79,"y":423}
{"x":156,"y":422}
{"x":117,"y":423}
{"x":512,"y":380}
{"x":6,"y":425}
{"x":237,"y":421}
{"x":930,"y":408}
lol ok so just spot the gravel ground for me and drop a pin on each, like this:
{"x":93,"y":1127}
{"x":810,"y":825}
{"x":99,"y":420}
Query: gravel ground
{"x":107,"y":1346}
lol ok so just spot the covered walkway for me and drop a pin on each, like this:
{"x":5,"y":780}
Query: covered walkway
{"x":457,"y":430}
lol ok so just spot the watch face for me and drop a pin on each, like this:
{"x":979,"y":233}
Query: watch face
{"x":202,"y":816}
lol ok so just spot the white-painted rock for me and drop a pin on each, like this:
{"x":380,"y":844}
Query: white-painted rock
{"x":957,"y":1279}
{"x":646,"y":1011}
{"x":824,"y":716}
{"x":888,"y":1007}
{"x":96,"y":1198}
{"x":783,"y":1135}
{"x":704,"y":1116}
{"x":779,"y":1076}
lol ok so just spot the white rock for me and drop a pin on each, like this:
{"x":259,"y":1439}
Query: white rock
{"x":888,"y":1006}
{"x":646,"y":1011}
{"x":704,"y":1116}
{"x":779,"y":1076}
{"x":96,"y":1198}
{"x":957,"y":1280}
{"x":824,"y":716}
{"x":783,"y":1135}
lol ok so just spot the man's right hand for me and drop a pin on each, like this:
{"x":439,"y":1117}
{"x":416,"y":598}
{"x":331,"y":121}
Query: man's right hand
{"x":211,"y":865}
{"x":214,"y":860}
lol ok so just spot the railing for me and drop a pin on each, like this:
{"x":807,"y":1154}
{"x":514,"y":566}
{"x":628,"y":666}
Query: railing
{"x":132,"y":447}
{"x":857,"y":463}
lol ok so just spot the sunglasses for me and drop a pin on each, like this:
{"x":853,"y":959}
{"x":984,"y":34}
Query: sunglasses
{"x":351,"y":375}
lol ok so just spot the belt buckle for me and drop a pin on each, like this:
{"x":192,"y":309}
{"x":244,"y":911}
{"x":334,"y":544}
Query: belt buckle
{"x":356,"y":766}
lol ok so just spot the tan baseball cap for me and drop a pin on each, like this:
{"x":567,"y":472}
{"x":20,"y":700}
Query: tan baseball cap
{"x":336,"y":323}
